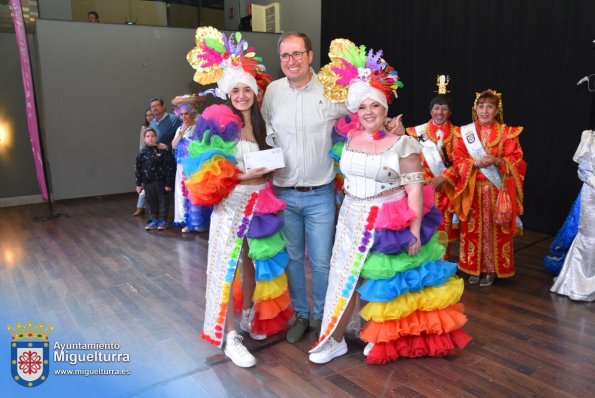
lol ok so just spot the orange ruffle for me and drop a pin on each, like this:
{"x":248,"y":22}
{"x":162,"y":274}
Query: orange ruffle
{"x":272,"y":326}
{"x":268,"y":309}
{"x":417,"y":323}
{"x":418,"y":346}
{"x":237,"y":295}
{"x":212,"y":183}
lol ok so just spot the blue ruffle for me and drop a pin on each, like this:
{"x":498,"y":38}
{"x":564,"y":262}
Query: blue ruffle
{"x":272,"y":267}
{"x":563,"y":240}
{"x":198,"y":218}
{"x":429,"y":273}
{"x":192,"y":164}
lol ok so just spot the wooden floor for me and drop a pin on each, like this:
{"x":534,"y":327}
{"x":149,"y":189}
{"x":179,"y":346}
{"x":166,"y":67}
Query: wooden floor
{"x":97,"y":276}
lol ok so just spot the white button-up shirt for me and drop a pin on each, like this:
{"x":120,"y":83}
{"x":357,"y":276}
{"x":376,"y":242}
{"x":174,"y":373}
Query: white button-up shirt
{"x":301,"y":122}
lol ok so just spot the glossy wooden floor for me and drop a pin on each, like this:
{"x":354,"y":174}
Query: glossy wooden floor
{"x":98,"y":275}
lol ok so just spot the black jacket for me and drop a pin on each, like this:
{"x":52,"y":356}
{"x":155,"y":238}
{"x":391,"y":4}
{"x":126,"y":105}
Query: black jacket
{"x":154,"y":164}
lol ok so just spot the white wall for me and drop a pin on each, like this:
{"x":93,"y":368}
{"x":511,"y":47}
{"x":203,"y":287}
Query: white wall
{"x":55,"y":9}
{"x":96,"y":80}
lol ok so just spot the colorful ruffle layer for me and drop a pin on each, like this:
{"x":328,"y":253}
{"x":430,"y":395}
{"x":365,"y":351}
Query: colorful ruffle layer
{"x":430,"y":273}
{"x":389,"y":241}
{"x":272,"y":307}
{"x":198,"y":218}
{"x":417,"y":323}
{"x":383,"y":266}
{"x":433,"y":345}
{"x":210,"y":166}
{"x":429,"y":299}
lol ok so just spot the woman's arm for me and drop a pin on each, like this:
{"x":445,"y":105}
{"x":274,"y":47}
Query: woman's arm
{"x":412,"y":164}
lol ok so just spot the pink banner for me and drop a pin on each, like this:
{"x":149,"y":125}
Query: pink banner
{"x":21,"y":35}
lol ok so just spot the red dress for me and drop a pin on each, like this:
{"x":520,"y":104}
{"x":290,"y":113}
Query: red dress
{"x":484,"y":245}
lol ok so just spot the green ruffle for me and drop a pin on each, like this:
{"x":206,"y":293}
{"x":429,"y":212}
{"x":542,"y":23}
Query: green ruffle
{"x":211,"y":142}
{"x":384,"y":266}
{"x":337,"y":149}
{"x":265,"y":248}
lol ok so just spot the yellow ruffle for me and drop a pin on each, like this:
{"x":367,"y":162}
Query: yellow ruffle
{"x":266,"y":290}
{"x":429,"y":299}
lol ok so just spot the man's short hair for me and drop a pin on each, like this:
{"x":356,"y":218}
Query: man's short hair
{"x":95,"y":14}
{"x":303,"y":36}
{"x":156,"y":99}
{"x":441,"y":99}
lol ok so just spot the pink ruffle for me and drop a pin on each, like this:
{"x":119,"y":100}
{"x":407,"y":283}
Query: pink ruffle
{"x":395,"y":215}
{"x":428,"y":194}
{"x":343,"y":127}
{"x":222,"y":114}
{"x":267,"y":202}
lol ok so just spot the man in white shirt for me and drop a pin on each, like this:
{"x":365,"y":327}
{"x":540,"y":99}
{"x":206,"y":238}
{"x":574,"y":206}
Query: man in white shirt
{"x":300,"y":120}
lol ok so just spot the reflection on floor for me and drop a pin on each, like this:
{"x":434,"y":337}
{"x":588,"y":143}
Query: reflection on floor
{"x":98,"y":277}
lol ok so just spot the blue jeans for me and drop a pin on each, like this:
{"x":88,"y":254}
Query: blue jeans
{"x":309,"y":217}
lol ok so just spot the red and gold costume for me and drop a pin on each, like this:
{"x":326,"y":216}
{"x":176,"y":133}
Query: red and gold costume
{"x":484,"y":245}
{"x":445,"y":194}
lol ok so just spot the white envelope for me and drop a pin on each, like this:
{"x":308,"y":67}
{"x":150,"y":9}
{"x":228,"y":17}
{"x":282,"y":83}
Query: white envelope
{"x":269,"y":158}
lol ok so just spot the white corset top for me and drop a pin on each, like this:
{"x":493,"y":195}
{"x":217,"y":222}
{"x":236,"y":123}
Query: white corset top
{"x":242,"y":148}
{"x":368,"y":175}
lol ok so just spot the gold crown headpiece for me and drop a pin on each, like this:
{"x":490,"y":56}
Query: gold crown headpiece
{"x":442,"y":82}
{"x":40,"y":331}
{"x":500,"y":116}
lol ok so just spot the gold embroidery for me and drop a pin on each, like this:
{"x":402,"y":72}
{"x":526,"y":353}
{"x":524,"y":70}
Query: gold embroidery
{"x":412,"y":178}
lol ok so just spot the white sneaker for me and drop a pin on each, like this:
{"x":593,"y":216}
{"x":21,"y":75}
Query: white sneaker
{"x":185,"y":230}
{"x":331,"y":350}
{"x":368,"y":348}
{"x":246,"y":325}
{"x":235,"y":350}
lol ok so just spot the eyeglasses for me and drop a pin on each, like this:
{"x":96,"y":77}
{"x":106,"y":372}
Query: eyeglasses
{"x":296,"y":55}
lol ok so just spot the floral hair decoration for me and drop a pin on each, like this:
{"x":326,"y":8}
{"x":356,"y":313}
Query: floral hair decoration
{"x":486,"y":93}
{"x":224,"y":60}
{"x":353,"y":74}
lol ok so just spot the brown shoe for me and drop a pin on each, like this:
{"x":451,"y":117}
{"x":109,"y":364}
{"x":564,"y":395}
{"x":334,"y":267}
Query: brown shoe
{"x":139,"y":211}
{"x":487,"y":280}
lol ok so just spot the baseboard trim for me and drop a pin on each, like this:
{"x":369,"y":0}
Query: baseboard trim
{"x":21,"y":201}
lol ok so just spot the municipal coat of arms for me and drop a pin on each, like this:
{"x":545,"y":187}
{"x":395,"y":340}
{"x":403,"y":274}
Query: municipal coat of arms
{"x":30,"y":353}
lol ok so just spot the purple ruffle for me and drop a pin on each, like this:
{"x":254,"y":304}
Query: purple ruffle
{"x":230,"y":133}
{"x":388,"y":241}
{"x":264,"y":225}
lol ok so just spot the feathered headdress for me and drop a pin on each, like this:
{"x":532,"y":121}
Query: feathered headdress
{"x":223,"y":60}
{"x":353,"y":72}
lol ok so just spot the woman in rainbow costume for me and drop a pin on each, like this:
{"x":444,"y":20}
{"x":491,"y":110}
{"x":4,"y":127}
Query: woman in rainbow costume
{"x":244,"y":223}
{"x":386,"y":228}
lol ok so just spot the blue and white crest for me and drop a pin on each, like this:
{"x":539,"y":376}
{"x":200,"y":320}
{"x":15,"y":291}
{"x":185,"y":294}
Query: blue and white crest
{"x":30,"y":353}
{"x":30,"y":365}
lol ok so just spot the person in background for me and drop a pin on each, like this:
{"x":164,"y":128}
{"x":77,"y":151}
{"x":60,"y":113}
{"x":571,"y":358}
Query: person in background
{"x":187,"y":215}
{"x":93,"y":16}
{"x":165,"y":124}
{"x":155,"y":175}
{"x":140,"y":203}
{"x":577,"y":277}
{"x":489,"y":161}
{"x":437,"y":139}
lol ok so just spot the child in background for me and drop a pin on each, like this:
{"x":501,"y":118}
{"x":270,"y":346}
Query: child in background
{"x":155,"y":172}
